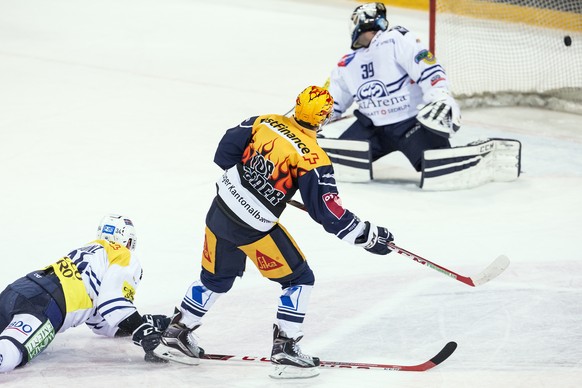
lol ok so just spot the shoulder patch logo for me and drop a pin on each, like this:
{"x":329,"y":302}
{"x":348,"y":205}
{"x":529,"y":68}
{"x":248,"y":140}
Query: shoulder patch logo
{"x":425,"y":56}
{"x":334,"y":204}
{"x":128,"y":291}
{"x":346,"y":59}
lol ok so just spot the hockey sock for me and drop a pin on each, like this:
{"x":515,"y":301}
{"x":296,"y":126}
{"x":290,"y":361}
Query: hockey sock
{"x":292,"y":308}
{"x":197,"y":301}
{"x":10,"y":356}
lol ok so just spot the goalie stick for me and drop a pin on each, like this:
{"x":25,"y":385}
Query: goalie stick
{"x":441,"y":356}
{"x":494,"y":269}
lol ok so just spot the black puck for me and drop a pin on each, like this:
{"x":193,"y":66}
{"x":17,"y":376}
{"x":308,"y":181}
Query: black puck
{"x":567,"y":40}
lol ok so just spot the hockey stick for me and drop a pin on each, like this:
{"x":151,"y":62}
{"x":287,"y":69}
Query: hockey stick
{"x":494,"y":269}
{"x":445,"y":352}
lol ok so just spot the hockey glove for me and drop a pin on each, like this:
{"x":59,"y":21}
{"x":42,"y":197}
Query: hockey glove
{"x":128,"y":325}
{"x":148,"y":337}
{"x":375,"y":239}
{"x":441,"y":115}
{"x":160,"y":322}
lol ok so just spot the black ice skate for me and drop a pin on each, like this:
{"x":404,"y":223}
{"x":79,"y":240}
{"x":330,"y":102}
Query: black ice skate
{"x":179,"y":343}
{"x":288,"y":361}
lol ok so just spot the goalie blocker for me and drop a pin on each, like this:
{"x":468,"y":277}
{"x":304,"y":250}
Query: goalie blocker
{"x":455,"y":168}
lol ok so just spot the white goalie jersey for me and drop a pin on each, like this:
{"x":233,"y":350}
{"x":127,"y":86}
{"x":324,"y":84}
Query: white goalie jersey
{"x":388,"y":79}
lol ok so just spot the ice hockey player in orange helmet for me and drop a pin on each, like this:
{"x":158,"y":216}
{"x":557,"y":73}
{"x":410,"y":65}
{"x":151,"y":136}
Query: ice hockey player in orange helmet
{"x":266,"y":159}
{"x":313,"y":107}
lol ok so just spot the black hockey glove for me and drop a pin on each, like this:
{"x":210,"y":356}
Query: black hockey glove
{"x":148,"y":337}
{"x":160,"y":322}
{"x":375,"y":239}
{"x":129,"y":324}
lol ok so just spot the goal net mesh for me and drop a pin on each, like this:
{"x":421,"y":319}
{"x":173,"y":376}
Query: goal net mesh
{"x":511,"y":52}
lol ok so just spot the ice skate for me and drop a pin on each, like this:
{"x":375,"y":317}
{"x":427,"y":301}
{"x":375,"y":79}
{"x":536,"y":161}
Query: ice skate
{"x":179,"y":343}
{"x":287,"y":359}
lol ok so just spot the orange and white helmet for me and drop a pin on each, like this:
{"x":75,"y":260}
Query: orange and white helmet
{"x":117,"y":229}
{"x":313,"y":107}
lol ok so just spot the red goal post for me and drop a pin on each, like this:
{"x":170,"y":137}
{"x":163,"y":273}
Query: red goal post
{"x":510,"y":52}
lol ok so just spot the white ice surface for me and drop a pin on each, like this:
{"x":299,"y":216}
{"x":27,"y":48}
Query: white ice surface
{"x":117,"y":106}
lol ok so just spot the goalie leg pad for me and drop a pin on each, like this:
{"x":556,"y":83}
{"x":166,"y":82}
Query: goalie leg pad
{"x":472,"y":165}
{"x":352,"y":159}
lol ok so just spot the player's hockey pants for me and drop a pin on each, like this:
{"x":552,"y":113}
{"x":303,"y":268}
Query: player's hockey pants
{"x":32,"y":310}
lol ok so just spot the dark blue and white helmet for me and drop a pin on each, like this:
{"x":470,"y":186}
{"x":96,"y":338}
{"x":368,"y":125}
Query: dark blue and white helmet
{"x":367,"y":17}
{"x":119,"y":229}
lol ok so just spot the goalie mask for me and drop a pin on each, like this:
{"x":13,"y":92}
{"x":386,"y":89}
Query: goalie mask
{"x":313,"y":107}
{"x":117,"y":229}
{"x":367,"y":17}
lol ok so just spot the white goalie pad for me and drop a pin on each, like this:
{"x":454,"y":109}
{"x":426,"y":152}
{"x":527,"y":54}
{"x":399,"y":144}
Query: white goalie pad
{"x":472,"y":165}
{"x":352,"y":159}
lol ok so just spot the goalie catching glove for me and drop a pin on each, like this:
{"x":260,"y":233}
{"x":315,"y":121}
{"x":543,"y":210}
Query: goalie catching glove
{"x":375,"y":239}
{"x":441,"y":114}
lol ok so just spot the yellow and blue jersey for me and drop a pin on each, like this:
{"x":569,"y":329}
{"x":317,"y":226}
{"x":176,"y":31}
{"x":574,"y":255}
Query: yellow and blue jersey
{"x":266,"y":160}
{"x":98,"y":281}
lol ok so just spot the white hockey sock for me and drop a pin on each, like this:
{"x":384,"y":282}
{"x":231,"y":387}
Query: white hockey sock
{"x":10,"y":356}
{"x":197,"y":301}
{"x":292,"y":308}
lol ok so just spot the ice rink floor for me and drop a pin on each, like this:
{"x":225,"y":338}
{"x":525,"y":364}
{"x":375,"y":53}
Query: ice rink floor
{"x":117,"y":106}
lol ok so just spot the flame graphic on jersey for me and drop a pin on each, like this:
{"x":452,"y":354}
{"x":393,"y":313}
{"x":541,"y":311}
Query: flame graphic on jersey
{"x":253,"y":148}
{"x":281,"y":178}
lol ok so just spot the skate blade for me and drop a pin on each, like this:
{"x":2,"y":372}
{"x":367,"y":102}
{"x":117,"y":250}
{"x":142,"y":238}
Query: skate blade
{"x":293,"y":372}
{"x":171,"y":354}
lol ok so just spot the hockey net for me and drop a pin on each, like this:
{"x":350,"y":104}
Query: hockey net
{"x":510,"y":52}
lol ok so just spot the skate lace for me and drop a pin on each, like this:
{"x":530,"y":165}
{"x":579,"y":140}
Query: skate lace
{"x":192,"y":339}
{"x":298,"y":352}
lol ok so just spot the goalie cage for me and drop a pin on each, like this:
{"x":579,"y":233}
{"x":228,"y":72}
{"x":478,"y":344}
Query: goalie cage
{"x":510,"y":52}
{"x":472,"y":165}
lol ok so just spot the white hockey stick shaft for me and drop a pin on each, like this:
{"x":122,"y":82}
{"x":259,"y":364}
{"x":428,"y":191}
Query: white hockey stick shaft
{"x":492,"y":271}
